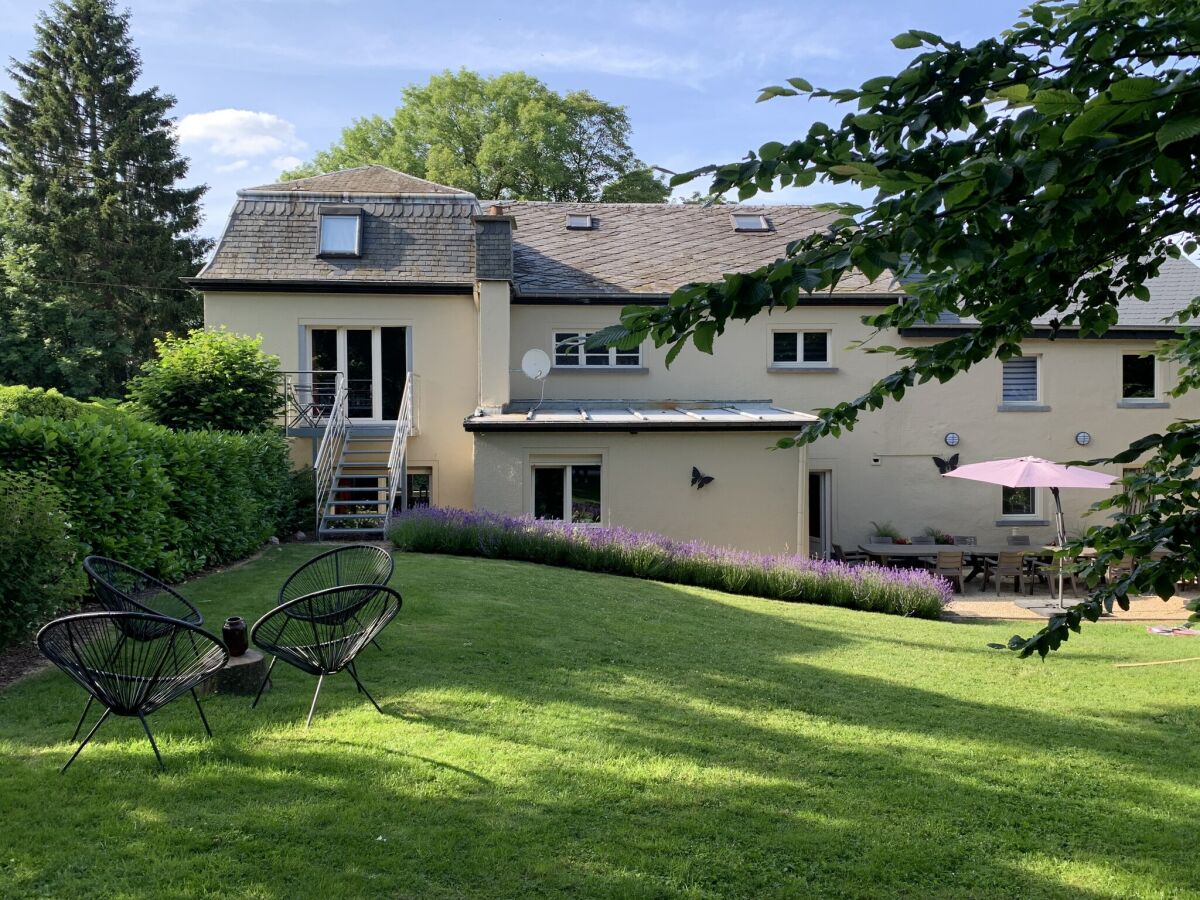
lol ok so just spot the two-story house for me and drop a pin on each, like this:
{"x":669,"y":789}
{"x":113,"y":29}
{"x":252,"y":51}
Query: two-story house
{"x":402,"y":310}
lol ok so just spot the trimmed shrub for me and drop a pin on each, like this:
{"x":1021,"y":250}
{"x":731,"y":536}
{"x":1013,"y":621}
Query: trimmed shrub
{"x":39,"y":555}
{"x":31,"y":401}
{"x":208,"y":379}
{"x":620,"y":551}
{"x":168,"y":502}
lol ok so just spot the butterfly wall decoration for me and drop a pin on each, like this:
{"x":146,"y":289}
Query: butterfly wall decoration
{"x":699,"y":479}
{"x":946,"y":465}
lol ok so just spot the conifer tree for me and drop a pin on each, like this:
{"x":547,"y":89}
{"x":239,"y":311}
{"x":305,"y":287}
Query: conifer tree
{"x":95,"y":232}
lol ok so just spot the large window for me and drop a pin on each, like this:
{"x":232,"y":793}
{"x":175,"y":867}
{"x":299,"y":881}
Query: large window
{"x":341,"y":234}
{"x":570,"y":352}
{"x":1021,"y":383}
{"x":374,"y":362}
{"x":569,"y":493}
{"x":1019,"y":502}
{"x":1137,"y":377}
{"x":800,"y":348}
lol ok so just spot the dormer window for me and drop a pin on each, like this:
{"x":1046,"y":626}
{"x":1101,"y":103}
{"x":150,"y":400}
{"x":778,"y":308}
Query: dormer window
{"x":341,"y":233}
{"x":580,"y":222}
{"x":750,"y":222}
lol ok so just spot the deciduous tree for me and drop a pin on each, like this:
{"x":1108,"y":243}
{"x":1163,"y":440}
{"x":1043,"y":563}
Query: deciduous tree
{"x":1047,"y":172}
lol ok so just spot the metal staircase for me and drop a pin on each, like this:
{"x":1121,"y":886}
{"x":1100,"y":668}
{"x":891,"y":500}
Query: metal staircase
{"x":358,"y":473}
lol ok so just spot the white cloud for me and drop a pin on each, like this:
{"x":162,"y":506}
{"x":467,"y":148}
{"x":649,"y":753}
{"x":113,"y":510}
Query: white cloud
{"x":236,"y":166}
{"x":283,"y":163}
{"x":239,"y":132}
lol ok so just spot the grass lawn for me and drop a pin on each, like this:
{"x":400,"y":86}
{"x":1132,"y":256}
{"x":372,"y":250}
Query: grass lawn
{"x":549,"y":732}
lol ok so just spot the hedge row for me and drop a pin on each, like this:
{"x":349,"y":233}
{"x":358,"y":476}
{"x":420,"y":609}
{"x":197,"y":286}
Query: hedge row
{"x":40,"y":554}
{"x":165,"y":501}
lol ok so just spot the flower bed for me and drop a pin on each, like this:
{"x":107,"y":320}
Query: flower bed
{"x":620,"y":551}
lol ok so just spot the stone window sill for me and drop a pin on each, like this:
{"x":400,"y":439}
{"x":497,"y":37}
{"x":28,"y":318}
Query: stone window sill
{"x":1022,"y":407}
{"x":600,"y":370}
{"x":802,"y":370}
{"x":1019,"y":522}
{"x":1142,"y":404}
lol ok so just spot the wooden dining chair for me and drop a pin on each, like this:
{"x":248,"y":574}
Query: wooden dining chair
{"x":949,"y":565}
{"x":1009,"y":564}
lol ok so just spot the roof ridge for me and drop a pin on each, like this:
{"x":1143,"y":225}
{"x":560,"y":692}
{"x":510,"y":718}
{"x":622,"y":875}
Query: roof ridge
{"x":391,"y":178}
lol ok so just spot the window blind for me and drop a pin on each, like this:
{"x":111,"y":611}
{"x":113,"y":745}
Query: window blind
{"x":1021,"y":380}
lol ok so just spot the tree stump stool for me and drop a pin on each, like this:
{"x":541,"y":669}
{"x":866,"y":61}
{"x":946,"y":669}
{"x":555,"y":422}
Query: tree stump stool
{"x":241,"y":675}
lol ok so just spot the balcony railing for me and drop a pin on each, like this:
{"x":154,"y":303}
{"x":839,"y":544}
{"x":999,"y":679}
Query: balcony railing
{"x":308,"y":397}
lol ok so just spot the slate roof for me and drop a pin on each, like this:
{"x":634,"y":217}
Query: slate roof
{"x":378,"y":180}
{"x":652,"y":248}
{"x":414,"y":232}
{"x":1177,"y":284}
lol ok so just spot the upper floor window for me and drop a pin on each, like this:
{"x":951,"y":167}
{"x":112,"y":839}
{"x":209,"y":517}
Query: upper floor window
{"x":1138,"y":377}
{"x":1019,"y":502}
{"x":580,"y":222}
{"x":800,"y":348}
{"x":750,"y":222}
{"x":569,"y":350}
{"x":1021,"y":383}
{"x":341,"y":234}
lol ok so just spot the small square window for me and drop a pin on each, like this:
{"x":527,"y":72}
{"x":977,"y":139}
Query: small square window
{"x":566,"y":349}
{"x":418,"y":488}
{"x":580,"y":222}
{"x":340,"y":234}
{"x":568,"y":493}
{"x":1018,"y":502}
{"x":800,"y":348}
{"x":1020,"y":380}
{"x":1137,"y":377}
{"x":750,"y":222}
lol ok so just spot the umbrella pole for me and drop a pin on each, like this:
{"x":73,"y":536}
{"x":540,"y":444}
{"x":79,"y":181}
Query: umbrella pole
{"x":1061,"y":527}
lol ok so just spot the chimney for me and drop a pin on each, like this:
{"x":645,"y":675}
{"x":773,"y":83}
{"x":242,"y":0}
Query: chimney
{"x":493,"y":245}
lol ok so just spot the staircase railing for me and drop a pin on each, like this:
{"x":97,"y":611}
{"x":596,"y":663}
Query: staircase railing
{"x":404,"y":428}
{"x":306,"y":397}
{"x":333,"y":442}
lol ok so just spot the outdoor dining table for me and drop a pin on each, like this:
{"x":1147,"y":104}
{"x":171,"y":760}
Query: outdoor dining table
{"x":915,"y":551}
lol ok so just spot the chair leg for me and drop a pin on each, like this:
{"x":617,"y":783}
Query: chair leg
{"x":95,"y":728}
{"x":377,"y":645}
{"x":82,"y":717}
{"x":354,"y":675}
{"x":312,"y":709}
{"x":200,"y":709}
{"x":157,"y":755}
{"x":266,"y":678}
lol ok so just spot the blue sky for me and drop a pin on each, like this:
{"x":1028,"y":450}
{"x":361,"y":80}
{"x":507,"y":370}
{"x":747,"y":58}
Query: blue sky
{"x":263,"y":83}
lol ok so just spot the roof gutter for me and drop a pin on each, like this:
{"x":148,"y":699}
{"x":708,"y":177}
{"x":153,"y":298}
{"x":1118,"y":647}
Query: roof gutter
{"x":298,"y":286}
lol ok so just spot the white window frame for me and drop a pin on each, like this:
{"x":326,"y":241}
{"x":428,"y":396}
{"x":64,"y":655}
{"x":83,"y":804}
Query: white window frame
{"x":826,"y":363}
{"x":760,"y":222}
{"x":1036,"y":515}
{"x":577,"y":332}
{"x":1037,"y":368}
{"x":566,"y":464}
{"x":358,"y":229}
{"x":341,"y":326}
{"x":1157,"y":389}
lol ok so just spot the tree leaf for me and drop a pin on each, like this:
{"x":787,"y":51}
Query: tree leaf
{"x":1178,"y":129}
{"x":906,"y":40}
{"x":1055,"y":102}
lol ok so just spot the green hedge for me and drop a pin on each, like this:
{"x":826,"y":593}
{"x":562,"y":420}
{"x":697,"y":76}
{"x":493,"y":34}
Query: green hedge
{"x":169,"y":502}
{"x":39,"y":555}
{"x":27,"y":401}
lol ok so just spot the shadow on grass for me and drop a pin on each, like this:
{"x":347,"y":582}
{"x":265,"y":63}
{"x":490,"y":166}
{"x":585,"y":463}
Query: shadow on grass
{"x":555,"y":733}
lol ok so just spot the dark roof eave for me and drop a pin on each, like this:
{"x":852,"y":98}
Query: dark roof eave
{"x":1128,"y":333}
{"x":302,"y":286}
{"x":523,"y":298}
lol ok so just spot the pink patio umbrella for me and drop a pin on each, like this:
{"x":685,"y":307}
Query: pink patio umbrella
{"x":1032,"y":472}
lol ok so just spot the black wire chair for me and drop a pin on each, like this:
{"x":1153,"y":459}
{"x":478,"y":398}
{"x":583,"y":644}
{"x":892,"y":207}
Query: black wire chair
{"x":352,"y":564}
{"x":133,"y":663}
{"x":321,"y":633}
{"x":121,"y":588}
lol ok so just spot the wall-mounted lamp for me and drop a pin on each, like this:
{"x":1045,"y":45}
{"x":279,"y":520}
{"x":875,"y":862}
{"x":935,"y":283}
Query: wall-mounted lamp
{"x":1082,"y":438}
{"x":951,"y":439}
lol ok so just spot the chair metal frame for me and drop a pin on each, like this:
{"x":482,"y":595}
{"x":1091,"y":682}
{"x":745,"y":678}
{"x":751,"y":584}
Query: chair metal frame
{"x":331,"y":622}
{"x":352,"y":564}
{"x":152,"y":675}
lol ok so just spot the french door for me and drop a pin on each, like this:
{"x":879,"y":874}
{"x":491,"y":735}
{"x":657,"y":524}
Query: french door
{"x":374,"y":361}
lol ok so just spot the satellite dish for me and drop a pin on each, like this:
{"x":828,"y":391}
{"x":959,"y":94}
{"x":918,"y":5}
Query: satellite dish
{"x":536,"y":364}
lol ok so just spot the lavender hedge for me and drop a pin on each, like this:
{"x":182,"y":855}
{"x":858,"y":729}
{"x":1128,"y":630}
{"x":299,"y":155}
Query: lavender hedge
{"x":620,"y":551}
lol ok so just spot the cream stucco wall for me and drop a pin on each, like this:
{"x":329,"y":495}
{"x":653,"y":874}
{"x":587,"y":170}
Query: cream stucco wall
{"x":443,"y":356}
{"x":1081,"y":387}
{"x":753,"y":502}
